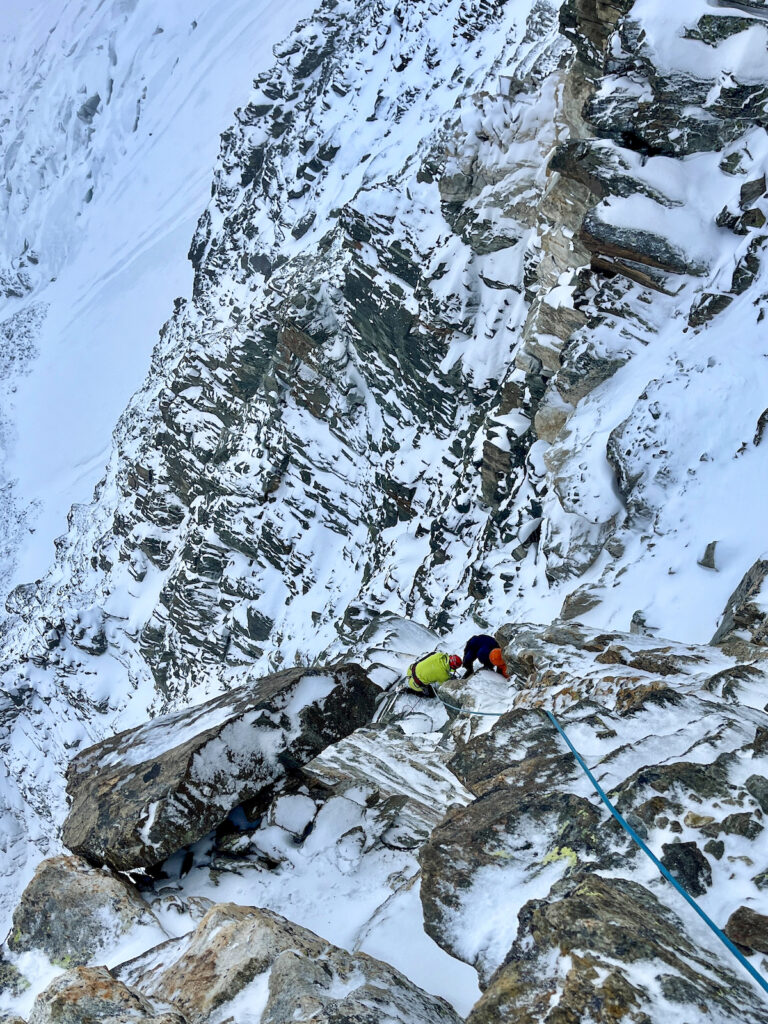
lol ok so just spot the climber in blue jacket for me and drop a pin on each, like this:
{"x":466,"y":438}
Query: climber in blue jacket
{"x":485,"y":649}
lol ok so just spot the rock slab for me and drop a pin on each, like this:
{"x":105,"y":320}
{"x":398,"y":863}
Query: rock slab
{"x":95,"y":996}
{"x":254,"y":958}
{"x":146,"y":793}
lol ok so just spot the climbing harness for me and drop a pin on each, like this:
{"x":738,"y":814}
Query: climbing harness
{"x":756,"y":976}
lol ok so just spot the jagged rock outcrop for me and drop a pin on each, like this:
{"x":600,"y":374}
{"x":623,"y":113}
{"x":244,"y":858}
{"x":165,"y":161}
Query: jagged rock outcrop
{"x":404,"y":778}
{"x":591,"y":919}
{"x":145,"y":793}
{"x":279,"y":971}
{"x":94,"y":994}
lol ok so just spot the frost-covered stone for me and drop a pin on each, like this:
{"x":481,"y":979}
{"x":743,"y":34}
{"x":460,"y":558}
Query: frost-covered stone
{"x":573,"y":937}
{"x":746,"y":615}
{"x":94,"y":994}
{"x":403,"y":779}
{"x":255,"y":959}
{"x":145,"y":793}
{"x":72,"y":911}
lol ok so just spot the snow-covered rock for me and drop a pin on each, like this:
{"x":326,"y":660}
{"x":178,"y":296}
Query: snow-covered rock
{"x":474,"y":337}
{"x":746,"y":615}
{"x":94,"y":994}
{"x":145,"y":793}
{"x":250,"y":962}
{"x":72,"y":912}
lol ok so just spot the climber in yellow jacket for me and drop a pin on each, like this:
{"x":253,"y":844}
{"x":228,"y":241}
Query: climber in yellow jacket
{"x":423,"y":675}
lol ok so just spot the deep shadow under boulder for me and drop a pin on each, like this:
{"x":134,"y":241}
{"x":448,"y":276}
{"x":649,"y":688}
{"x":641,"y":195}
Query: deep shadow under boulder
{"x":145,"y":793}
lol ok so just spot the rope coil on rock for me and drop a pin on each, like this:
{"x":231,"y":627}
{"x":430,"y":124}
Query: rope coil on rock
{"x":754,"y":974}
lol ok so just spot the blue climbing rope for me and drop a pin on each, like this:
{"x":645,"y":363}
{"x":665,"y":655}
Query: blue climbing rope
{"x":636,"y":839}
{"x":649,"y":853}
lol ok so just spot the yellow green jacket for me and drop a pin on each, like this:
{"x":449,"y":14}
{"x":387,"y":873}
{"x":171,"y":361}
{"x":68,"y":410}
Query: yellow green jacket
{"x":435,"y":668}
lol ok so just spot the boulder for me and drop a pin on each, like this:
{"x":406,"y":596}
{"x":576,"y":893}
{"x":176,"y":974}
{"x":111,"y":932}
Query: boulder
{"x":145,"y":793}
{"x":505,"y":843}
{"x":92,"y":995}
{"x":749,"y":929}
{"x":279,"y":970}
{"x":403,"y":781}
{"x":757,"y":787}
{"x":71,"y":911}
{"x":688,"y":866}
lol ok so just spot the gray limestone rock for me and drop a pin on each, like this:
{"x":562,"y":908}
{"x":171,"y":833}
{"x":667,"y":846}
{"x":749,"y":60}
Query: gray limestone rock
{"x":145,"y":793}
{"x":404,"y":781}
{"x":92,"y":995}
{"x":295,"y":975}
{"x":71,"y":910}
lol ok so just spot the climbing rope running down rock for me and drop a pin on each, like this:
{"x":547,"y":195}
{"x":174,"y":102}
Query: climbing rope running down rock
{"x":635,"y":838}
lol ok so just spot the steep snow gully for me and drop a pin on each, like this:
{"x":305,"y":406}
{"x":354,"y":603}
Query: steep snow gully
{"x":461,"y":331}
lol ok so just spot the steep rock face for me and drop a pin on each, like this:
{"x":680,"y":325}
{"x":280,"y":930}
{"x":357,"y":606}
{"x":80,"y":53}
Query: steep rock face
{"x":746,"y":615}
{"x":444,"y":364}
{"x":639,"y":220}
{"x":304,"y":449}
{"x":143,"y":794}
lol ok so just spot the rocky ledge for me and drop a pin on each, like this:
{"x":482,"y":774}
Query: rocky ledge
{"x":416,"y":850}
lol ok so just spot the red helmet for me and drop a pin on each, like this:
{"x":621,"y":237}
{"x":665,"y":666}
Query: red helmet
{"x":454,"y":661}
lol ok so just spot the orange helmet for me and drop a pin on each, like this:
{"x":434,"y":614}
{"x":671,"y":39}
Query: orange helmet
{"x":497,"y":659}
{"x":454,"y":661}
